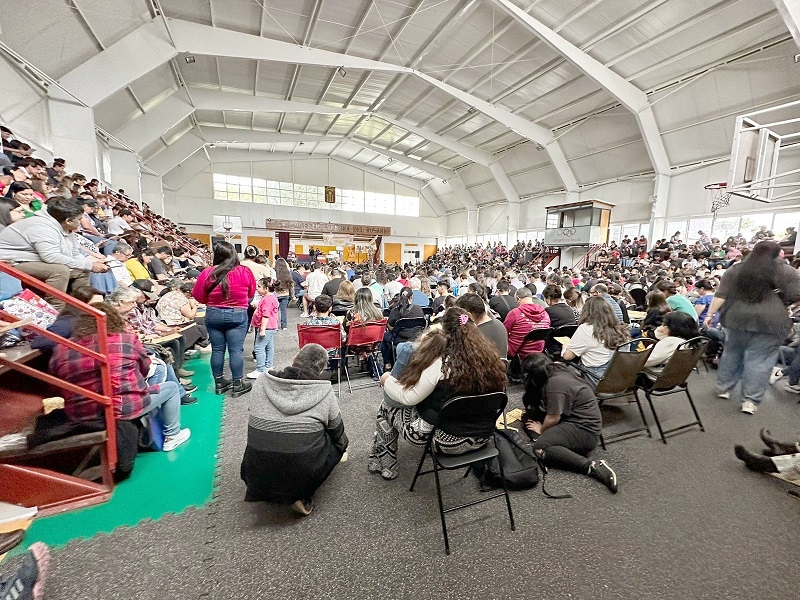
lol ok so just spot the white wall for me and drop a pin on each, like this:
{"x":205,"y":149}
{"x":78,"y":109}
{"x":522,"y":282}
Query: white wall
{"x":23,"y":109}
{"x":193,"y":204}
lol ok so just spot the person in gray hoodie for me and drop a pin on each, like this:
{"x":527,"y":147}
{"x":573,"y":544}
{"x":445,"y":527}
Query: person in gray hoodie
{"x":295,"y":435}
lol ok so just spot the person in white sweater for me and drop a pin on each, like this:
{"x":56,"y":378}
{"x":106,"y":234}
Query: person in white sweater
{"x":676,"y":328}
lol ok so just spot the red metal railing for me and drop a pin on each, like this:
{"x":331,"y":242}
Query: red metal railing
{"x":102,"y":357}
{"x":584,"y":260}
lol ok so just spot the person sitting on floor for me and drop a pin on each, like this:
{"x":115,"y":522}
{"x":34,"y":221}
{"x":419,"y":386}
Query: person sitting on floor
{"x":457,"y":360}
{"x":563,"y":419}
{"x":779,"y":457}
{"x":295,"y":436}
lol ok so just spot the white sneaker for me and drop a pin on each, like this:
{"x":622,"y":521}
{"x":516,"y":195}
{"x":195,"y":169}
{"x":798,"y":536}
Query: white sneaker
{"x":205,"y":349}
{"x":777,"y":373}
{"x":724,"y":395}
{"x":173,"y":441}
{"x":749,"y":407}
{"x":253,"y":374}
{"x":795,"y":389}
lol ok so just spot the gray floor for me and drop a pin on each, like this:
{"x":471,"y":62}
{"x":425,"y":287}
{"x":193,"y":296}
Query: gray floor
{"x":689,"y":521}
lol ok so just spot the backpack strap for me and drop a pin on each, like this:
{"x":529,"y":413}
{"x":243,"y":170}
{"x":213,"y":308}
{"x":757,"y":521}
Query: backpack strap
{"x":539,"y":462}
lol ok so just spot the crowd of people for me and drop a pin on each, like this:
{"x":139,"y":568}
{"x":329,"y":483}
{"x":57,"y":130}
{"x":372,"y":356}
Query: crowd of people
{"x":166,"y":297}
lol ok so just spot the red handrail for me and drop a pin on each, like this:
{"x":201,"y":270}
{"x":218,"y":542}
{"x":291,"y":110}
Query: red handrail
{"x":105,"y":368}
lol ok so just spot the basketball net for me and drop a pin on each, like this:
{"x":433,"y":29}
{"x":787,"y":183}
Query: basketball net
{"x":720,"y":196}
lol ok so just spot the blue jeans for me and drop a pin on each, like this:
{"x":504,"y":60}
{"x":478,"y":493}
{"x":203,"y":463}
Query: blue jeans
{"x":748,"y":356}
{"x":227,"y":328}
{"x":166,"y":373}
{"x":265,"y":349}
{"x":283,"y":303}
{"x":168,"y":401}
{"x":791,"y":358}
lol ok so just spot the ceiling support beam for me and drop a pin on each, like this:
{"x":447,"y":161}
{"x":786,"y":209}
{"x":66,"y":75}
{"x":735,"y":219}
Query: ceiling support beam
{"x":790,"y":12}
{"x":434,"y":170}
{"x":433,"y":201}
{"x":173,"y":155}
{"x":634,"y":99}
{"x":147,"y":128}
{"x":219,"y":100}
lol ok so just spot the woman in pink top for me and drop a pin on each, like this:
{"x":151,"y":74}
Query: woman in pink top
{"x":226,"y":289}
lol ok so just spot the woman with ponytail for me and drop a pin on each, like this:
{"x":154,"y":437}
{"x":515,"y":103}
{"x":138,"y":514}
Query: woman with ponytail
{"x":456,"y":360}
{"x":226,"y":289}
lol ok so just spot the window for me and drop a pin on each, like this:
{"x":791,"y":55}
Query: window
{"x":676,"y":226}
{"x":644,"y":230}
{"x":614,"y":234}
{"x":752,"y":223}
{"x":784,"y":220}
{"x":725,"y":227}
{"x":407,"y":205}
{"x":631,"y":230}
{"x":552,"y":221}
{"x":700,"y":224}
{"x":286,"y":193}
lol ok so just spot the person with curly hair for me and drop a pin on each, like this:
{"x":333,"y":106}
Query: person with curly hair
{"x":456,"y":360}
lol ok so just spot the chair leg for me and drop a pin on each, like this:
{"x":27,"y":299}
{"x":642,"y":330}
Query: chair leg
{"x":508,"y":498}
{"x":347,"y":374}
{"x":422,"y":461}
{"x":641,"y":412}
{"x":602,"y":442}
{"x":441,"y":504}
{"x":694,"y":410}
{"x":467,"y":472}
{"x":655,"y":416}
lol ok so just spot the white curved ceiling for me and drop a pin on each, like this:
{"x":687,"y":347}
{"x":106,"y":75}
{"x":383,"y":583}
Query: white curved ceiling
{"x":697,"y":63}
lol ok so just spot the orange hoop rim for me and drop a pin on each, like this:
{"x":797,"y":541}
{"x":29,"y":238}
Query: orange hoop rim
{"x":716,"y":186}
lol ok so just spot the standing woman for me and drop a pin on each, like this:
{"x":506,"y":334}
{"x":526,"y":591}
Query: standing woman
{"x":752,"y":301}
{"x":284,"y":287}
{"x":226,"y":289}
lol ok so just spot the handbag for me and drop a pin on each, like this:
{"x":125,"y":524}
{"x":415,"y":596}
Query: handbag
{"x":152,"y":433}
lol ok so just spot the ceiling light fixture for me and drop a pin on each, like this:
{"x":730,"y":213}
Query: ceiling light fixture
{"x":189,"y":59}
{"x":341,"y":71}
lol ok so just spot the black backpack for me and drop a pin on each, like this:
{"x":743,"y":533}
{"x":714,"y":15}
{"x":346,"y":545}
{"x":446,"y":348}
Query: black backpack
{"x":519,"y":463}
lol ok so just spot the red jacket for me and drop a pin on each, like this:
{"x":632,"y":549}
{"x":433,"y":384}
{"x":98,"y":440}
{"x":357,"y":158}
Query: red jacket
{"x":520,"y":322}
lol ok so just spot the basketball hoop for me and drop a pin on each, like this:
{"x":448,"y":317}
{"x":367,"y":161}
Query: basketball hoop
{"x":721,"y":197}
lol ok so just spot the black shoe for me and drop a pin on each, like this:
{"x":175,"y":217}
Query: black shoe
{"x":776,"y":448}
{"x":754,"y":462}
{"x":240,"y":387}
{"x":222,"y":385}
{"x":190,"y":388}
{"x":601,"y":471}
{"x":187,"y":399}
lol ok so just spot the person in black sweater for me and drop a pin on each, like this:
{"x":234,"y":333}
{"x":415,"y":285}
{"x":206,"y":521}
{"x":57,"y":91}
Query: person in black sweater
{"x":560,"y":313}
{"x":404,"y":309}
{"x":503,"y":302}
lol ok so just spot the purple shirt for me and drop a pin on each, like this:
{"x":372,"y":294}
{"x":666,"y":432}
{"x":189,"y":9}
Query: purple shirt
{"x":241,"y":287}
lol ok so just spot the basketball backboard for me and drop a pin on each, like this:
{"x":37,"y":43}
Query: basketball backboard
{"x":754,"y":167}
{"x":226,"y":224}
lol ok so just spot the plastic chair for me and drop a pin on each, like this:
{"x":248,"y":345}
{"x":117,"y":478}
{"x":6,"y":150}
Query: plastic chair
{"x":619,"y":381}
{"x":465,"y":416}
{"x":534,"y":335}
{"x":552,"y":347}
{"x":369,"y":334}
{"x":327,"y":336}
{"x":673,"y":379}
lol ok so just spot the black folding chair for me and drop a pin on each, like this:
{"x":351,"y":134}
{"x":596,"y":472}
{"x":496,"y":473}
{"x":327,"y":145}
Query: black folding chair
{"x":428,"y":312}
{"x":465,"y":416}
{"x":673,"y":379}
{"x":552,"y":346}
{"x":620,"y":379}
{"x":640,"y":297}
{"x":339,"y":312}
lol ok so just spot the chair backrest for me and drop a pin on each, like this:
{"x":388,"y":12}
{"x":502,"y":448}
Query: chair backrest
{"x":538,"y":335}
{"x":472,"y":416}
{"x":387,"y":312}
{"x":625,"y":365}
{"x":639,"y":296}
{"x":681,"y":363}
{"x":427,"y":311}
{"x":364,"y":334}
{"x":327,"y":336}
{"x":564,"y":331}
{"x":339,"y":312}
{"x":409,"y":323}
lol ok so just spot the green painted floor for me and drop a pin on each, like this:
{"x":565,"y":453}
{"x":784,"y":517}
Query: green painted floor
{"x":161,"y":482}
